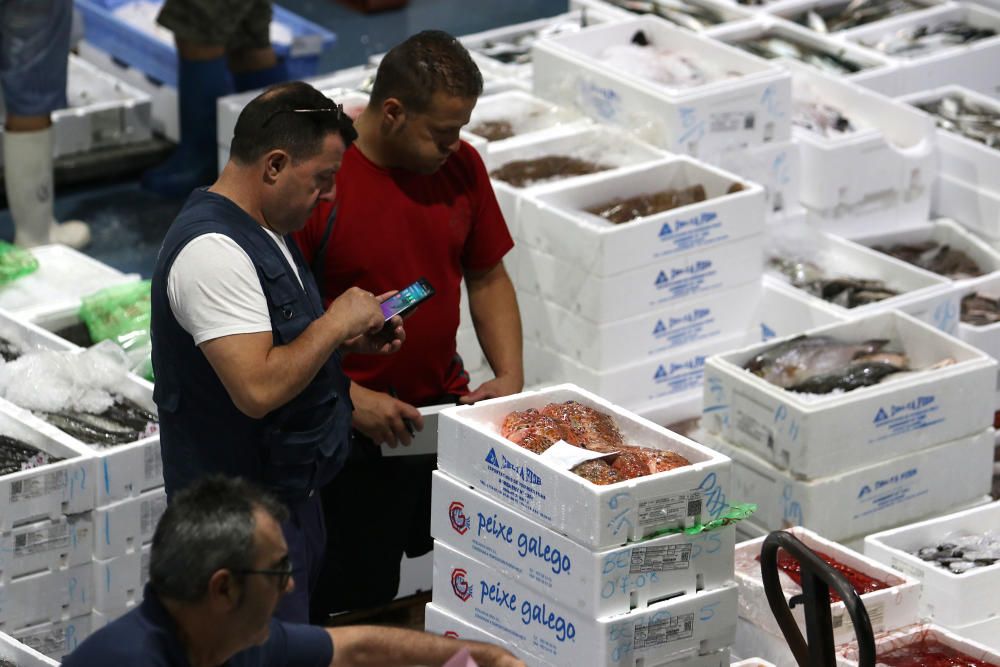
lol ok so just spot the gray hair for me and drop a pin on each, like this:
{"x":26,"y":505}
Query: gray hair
{"x":206,"y":528}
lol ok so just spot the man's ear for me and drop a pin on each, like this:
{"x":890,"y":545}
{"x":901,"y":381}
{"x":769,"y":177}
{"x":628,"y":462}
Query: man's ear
{"x":225,"y":591}
{"x":393,"y":113}
{"x":274,"y":163}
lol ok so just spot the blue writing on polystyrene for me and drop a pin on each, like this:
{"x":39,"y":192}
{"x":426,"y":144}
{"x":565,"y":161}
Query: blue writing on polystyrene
{"x":495,"y":593}
{"x":526,"y":474}
{"x":881,"y":484}
{"x":605,"y":102}
{"x":896,"y":419}
{"x":540,"y":614}
{"x":491,"y":458}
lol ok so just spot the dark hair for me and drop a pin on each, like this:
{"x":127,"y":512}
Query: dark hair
{"x":206,"y":528}
{"x":268,"y":122}
{"x":426,"y":63}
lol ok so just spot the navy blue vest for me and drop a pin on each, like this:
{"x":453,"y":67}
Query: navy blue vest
{"x":293,"y":450}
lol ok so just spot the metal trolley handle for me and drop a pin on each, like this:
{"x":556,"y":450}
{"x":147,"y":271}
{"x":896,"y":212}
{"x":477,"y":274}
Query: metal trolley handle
{"x":817,"y":579}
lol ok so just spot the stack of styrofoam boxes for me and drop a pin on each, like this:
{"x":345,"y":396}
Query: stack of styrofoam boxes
{"x":968,"y":185}
{"x":920,"y":634}
{"x":972,"y":64}
{"x":848,"y":464}
{"x":742,"y":122}
{"x":569,"y":573}
{"x":758,"y":632}
{"x":967,"y":604}
{"x":882,"y":173}
{"x":631,"y":311}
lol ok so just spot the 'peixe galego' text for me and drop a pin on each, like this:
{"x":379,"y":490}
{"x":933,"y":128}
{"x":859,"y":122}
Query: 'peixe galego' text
{"x":527,"y":545}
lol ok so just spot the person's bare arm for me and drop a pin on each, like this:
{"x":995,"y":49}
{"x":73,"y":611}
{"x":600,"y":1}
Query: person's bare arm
{"x":376,"y":646}
{"x":497,"y":320}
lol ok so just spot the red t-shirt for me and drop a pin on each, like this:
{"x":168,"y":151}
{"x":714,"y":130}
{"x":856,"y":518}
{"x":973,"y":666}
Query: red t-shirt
{"x":393,"y":227}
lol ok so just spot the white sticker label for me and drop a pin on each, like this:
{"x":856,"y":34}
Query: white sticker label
{"x":39,"y":541}
{"x":669,"y":509}
{"x":153,"y":464}
{"x":37,"y":486}
{"x":660,"y":559}
{"x":664,"y":631}
{"x":565,"y":456}
{"x":876,"y":614}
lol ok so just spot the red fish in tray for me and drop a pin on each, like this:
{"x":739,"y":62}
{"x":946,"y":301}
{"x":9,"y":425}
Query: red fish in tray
{"x":594,"y":430}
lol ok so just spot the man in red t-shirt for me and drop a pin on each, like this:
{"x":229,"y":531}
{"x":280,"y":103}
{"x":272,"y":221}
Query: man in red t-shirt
{"x":413,"y":201}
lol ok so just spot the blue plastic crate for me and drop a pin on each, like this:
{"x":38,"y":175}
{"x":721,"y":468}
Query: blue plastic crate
{"x":158,"y":60}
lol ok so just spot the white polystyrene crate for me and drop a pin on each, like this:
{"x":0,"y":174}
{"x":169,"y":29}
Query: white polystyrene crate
{"x":946,"y":232}
{"x":783,"y":312}
{"x":986,"y":632}
{"x":750,"y":108}
{"x":699,"y":273}
{"x":118,"y":581}
{"x":556,"y":222}
{"x":125,"y":526}
{"x":45,"y":596}
{"x":985,"y":338}
{"x":818,"y":436}
{"x":774,"y":650}
{"x":47,"y":546}
{"x":29,"y":335}
{"x":22,"y":655}
{"x":471,"y":449}
{"x":729,"y":11}
{"x":526,"y":114}
{"x":752,"y":662}
{"x":795,"y":11}
{"x":868,"y":498}
{"x":848,"y":655}
{"x":927,"y":296}
{"x":439,"y":622}
{"x":592,"y":583}
{"x":682,"y":626}
{"x":469,"y":350}
{"x":972,"y":64}
{"x":56,"y":639}
{"x":949,"y":599}
{"x":890,"y":608}
{"x":976,"y":208}
{"x":889,"y":162}
{"x":63,"y":275}
{"x":49,"y":491}
{"x":775,"y":166}
{"x":876,"y":71}
{"x":669,"y":411}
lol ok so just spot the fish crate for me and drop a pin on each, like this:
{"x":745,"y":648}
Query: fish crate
{"x":127,"y":30}
{"x":927,"y":296}
{"x":670,"y":411}
{"x":591,"y":583}
{"x":471,"y":449}
{"x":513,"y":116}
{"x":56,"y":639}
{"x":945,"y":232}
{"x":890,"y":608}
{"x":745,"y":110}
{"x":753,"y":662}
{"x":975,"y":207}
{"x":972,"y":64}
{"x":775,"y":167}
{"x":49,"y":545}
{"x":63,"y":277}
{"x":985,"y":632}
{"x":656,"y":333}
{"x":796,"y":12}
{"x":28,"y":336}
{"x":948,"y":598}
{"x":119,"y":581}
{"x":21,"y":655}
{"x":783,"y":312}
{"x":876,"y":72}
{"x":682,"y":627}
{"x":103,"y":112}
{"x":728,"y":11}
{"x":673,"y":280}
{"x":818,"y":436}
{"x":868,"y":498}
{"x":848,"y":655}
{"x":126,"y":526}
{"x":45,"y":597}
{"x":887,"y":164}
{"x":556,"y":221}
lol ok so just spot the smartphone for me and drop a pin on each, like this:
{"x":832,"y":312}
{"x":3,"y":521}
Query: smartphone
{"x":407,"y":299}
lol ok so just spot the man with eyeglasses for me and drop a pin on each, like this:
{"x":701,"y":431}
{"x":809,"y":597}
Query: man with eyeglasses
{"x":247,"y":361}
{"x":218,"y":566}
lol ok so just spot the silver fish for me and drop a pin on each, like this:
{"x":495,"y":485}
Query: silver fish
{"x":919,"y":40}
{"x":772,"y":46}
{"x":959,"y":115}
{"x":795,"y":361}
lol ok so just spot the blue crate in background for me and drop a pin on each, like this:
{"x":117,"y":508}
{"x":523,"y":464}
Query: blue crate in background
{"x":158,"y":60}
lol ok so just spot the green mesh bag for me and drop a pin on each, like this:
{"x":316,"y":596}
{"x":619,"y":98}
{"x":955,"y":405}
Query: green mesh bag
{"x":15,"y":263}
{"x":121,"y":313}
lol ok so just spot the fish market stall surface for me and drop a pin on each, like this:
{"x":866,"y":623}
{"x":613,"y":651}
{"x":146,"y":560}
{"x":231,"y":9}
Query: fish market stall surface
{"x":472,"y":449}
{"x":817,"y":436}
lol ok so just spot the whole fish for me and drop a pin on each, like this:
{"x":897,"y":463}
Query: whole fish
{"x":980,"y":309}
{"x":16,"y":455}
{"x":919,"y":40}
{"x":822,"y":119}
{"x":623,"y":210}
{"x":793,"y":362}
{"x":685,"y":14}
{"x":957,"y":114}
{"x":937,"y":257}
{"x":854,"y":376}
{"x":843,"y":15}
{"x":772,"y":46}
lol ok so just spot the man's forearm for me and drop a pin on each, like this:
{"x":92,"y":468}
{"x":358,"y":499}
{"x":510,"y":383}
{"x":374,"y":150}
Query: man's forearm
{"x":370,"y":646}
{"x":497,"y":319}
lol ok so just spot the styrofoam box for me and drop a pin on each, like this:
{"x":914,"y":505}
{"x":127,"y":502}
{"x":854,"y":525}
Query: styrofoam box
{"x":823,"y":435}
{"x":525,"y":113}
{"x":752,"y":662}
{"x":22,"y":655}
{"x":971,"y":64}
{"x":985,"y":632}
{"x":653,"y":334}
{"x":877,"y":71}
{"x":949,"y":599}
{"x":783,"y":312}
{"x":556,"y":222}
{"x":45,"y":596}
{"x":47,"y":546}
{"x":890,"y":608}
{"x":49,"y":491}
{"x":592,"y":583}
{"x":775,"y":166}
{"x":682,"y":626}
{"x":118,"y":582}
{"x":729,"y":11}
{"x":848,"y":655}
{"x":889,"y":161}
{"x":976,"y":208}
{"x":868,"y":498}
{"x":471,"y":449}
{"x":672,"y":280}
{"x":927,"y":296}
{"x":29,"y":336}
{"x":749,"y":109}
{"x":125,"y":526}
{"x":440,"y":622}
{"x":56,"y":639}
{"x":791,"y":11}
{"x":668,"y":411}
{"x":751,"y":639}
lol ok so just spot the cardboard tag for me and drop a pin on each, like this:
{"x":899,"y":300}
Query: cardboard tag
{"x":461,"y":659}
{"x":566,"y":456}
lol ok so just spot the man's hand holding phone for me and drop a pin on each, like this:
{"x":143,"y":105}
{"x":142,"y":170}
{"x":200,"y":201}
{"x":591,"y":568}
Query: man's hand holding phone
{"x":369,"y":331}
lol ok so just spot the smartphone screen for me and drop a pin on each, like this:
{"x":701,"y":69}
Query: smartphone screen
{"x":407,"y":298}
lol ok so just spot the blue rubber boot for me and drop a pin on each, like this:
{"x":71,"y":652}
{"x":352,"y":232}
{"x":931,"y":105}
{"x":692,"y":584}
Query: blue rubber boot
{"x":261,"y":78}
{"x":195,"y":162}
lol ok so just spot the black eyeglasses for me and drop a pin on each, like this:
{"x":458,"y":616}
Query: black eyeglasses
{"x":337,"y":109}
{"x":283,"y":573}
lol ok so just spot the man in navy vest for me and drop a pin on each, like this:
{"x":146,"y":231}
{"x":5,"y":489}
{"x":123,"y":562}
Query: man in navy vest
{"x":247,"y":362}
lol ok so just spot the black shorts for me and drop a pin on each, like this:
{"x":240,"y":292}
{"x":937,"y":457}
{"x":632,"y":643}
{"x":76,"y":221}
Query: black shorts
{"x":236,"y":25}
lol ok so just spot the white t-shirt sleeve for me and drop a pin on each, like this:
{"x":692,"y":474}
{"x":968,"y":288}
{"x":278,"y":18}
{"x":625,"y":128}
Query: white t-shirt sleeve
{"x":214,"y":290}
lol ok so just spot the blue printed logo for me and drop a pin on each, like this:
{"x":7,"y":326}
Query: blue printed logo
{"x":661,"y":279}
{"x":491,"y":458}
{"x":915,"y":405}
{"x":660,"y":328}
{"x":665,"y":230}
{"x":766,"y":332}
{"x":663,"y":373}
{"x":882,"y":483}
{"x":526,"y":474}
{"x":696,"y":221}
